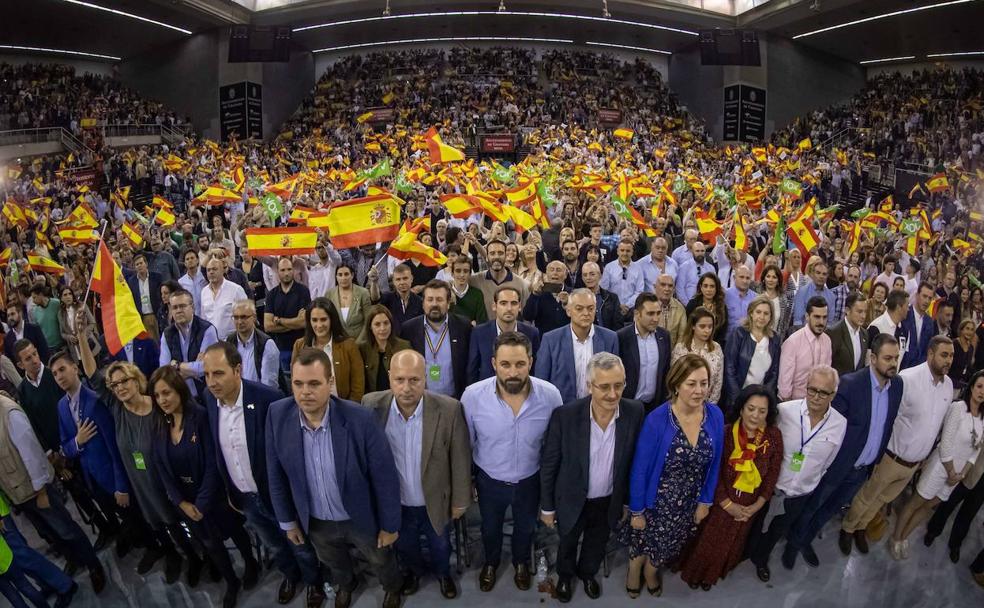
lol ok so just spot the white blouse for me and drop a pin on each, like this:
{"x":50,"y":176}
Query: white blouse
{"x":957,"y":441}
{"x":760,"y":363}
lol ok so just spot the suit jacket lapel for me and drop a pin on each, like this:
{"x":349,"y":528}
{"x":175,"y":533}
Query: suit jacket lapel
{"x":583,"y":427}
{"x":249,"y":419}
{"x":294,"y":443}
{"x":431,"y":420}
{"x":339,"y":441}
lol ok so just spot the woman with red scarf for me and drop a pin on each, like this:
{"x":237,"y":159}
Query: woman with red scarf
{"x":751,"y":459}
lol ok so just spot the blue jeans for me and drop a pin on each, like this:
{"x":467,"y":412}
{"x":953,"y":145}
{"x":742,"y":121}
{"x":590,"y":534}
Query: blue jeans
{"x":826,"y":500}
{"x":14,"y":583}
{"x":416,"y":523}
{"x":494,"y":497}
{"x":296,"y":562}
{"x":33,"y":563}
{"x":56,"y":516}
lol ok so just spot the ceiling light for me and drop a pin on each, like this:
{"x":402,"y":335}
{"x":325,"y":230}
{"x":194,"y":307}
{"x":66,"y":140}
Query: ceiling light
{"x":882,"y":16}
{"x":130,"y":15}
{"x":450,"y":39}
{"x":507,"y":12}
{"x":963,"y":54}
{"x":630,"y":48}
{"x":38,"y":49}
{"x":886,"y":59}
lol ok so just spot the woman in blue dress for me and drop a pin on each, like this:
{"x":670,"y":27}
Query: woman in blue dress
{"x":674,"y":474}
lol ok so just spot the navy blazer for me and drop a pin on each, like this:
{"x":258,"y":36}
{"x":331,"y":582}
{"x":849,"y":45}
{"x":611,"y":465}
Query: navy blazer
{"x":738,"y":353}
{"x":257,"y":398}
{"x":916,"y":351}
{"x":154,"y":284}
{"x":459,"y":332}
{"x":208,"y":487}
{"x":482,"y":345}
{"x":853,"y":400}
{"x":628,"y":348}
{"x":33,"y":333}
{"x":364,"y":466}
{"x":100,"y":456}
{"x":555,"y":357}
{"x":146,"y":355}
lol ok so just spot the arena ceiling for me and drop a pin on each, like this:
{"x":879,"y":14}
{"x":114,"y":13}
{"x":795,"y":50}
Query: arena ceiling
{"x":79,"y":25}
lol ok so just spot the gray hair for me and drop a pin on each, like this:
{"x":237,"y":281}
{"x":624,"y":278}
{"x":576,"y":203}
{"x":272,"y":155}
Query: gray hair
{"x":250,"y":304}
{"x":582,"y":291}
{"x":824,"y":370}
{"x":603,"y":361}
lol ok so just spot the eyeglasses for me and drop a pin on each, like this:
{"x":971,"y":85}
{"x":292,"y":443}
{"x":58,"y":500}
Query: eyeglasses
{"x":815,"y":392}
{"x":618,"y":387}
{"x":115,"y":385}
{"x":241,"y":317}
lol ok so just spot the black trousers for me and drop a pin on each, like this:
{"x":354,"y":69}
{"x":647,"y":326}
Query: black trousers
{"x":969,"y":501}
{"x":332,"y":541}
{"x":762,"y":542}
{"x":592,"y":524}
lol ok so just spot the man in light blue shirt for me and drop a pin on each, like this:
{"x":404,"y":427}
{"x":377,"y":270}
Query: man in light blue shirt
{"x":690,"y":272}
{"x":507,"y":416}
{"x":247,"y":339}
{"x":817,"y":287}
{"x":623,"y":278}
{"x":194,"y":279}
{"x":738,"y":298}
{"x":656,"y":264}
{"x":682,"y":254}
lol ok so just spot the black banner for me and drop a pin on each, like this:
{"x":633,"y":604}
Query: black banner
{"x":232,"y":111}
{"x":744,"y":113}
{"x":254,"y":110}
{"x":731,"y":112}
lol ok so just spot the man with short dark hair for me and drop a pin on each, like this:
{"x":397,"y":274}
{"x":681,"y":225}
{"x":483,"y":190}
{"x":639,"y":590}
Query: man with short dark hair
{"x":482,"y":341}
{"x":284,"y":312}
{"x":193,"y":280}
{"x":20,"y":329}
{"x":851,"y":285}
{"x":45,"y":314}
{"x":145,"y":285}
{"x":497,"y":276}
{"x":890,"y":321}
{"x":443,"y":339}
{"x":848,"y":338}
{"x":816,"y":287}
{"x":803,"y":350}
{"x":401,"y":302}
{"x":645,"y":350}
{"x":468,"y":303}
{"x":918,"y":327}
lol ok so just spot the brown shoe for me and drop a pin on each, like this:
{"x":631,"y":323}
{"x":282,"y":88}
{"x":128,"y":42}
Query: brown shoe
{"x":486,"y":578}
{"x":522,"y":577}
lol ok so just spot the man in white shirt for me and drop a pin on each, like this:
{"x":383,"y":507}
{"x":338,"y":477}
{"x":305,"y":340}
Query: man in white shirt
{"x":321,"y":275}
{"x":812,"y":433}
{"x":889,"y":322}
{"x":192,"y":280}
{"x":926,"y":395}
{"x":218,"y":298}
{"x":623,"y":278}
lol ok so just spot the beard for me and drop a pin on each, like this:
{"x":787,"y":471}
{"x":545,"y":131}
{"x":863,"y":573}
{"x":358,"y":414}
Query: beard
{"x":436,"y":314}
{"x":514,"y":386}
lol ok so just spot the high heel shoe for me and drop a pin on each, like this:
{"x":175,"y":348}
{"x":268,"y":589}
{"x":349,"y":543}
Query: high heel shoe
{"x":634,"y":593}
{"x":656,"y":591}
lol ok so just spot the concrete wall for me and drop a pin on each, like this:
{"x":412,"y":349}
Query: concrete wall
{"x":38,"y":149}
{"x":81,"y":66}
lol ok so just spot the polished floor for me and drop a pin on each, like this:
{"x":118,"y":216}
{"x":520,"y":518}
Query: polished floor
{"x":926,"y":580}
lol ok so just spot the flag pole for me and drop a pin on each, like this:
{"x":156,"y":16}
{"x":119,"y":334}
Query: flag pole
{"x":88,"y":286}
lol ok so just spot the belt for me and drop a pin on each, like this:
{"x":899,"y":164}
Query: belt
{"x":896,"y":458}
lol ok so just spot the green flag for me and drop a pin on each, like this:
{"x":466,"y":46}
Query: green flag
{"x":402,"y":185}
{"x":791,"y":186}
{"x":380,"y":169}
{"x":779,"y":239}
{"x":272,"y":205}
{"x":861,"y":213}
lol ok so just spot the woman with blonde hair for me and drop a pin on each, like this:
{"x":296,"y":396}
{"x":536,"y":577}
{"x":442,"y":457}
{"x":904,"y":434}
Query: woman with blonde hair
{"x":751,"y":354}
{"x":527,"y":268}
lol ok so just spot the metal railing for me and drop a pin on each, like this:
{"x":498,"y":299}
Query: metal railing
{"x":837,"y":137}
{"x":16,"y":137}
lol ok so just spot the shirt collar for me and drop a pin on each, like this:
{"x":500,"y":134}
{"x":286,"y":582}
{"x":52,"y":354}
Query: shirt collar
{"x":250,"y":341}
{"x":36,"y":381}
{"x":590,"y":337}
{"x":322,"y":425}
{"x":239,"y":400}
{"x":395,"y":410}
{"x":509,"y":276}
{"x":874,"y":382}
{"x":74,"y":397}
{"x":591,"y":415}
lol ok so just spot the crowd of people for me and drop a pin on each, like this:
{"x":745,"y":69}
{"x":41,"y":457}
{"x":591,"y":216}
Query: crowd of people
{"x":733,"y":384}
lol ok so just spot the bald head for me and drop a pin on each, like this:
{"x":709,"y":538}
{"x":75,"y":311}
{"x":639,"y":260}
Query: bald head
{"x":406,"y":376}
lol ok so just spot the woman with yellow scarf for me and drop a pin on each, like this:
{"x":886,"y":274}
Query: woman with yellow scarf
{"x":751,"y":459}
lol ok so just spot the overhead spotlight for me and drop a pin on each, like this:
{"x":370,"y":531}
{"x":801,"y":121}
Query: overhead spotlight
{"x":386,"y":9}
{"x":604,"y":9}
{"x":502,"y":6}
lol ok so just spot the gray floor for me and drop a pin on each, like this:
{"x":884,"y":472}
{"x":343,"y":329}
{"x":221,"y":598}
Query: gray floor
{"x":926,"y":580}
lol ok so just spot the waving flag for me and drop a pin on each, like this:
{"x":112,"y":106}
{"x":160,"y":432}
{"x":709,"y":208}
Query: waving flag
{"x":407,"y":247}
{"x":708,"y":227}
{"x":39,"y":263}
{"x":364,"y":221}
{"x":295,"y":240}
{"x":624,"y":133}
{"x":121,"y":321}
{"x":938,"y":183}
{"x":439,"y":151}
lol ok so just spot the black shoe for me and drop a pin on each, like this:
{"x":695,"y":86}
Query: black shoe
{"x":103,"y":541}
{"x":392,"y":599}
{"x":448,"y":587}
{"x":861,"y":540}
{"x":315,"y":596}
{"x":65,"y":599}
{"x":98,"y":577}
{"x":287,"y":591}
{"x":195,"y":565}
{"x":231,"y":595}
{"x":810,"y":556}
{"x":844,"y":541}
{"x":789,"y":557}
{"x":213,"y":572}
{"x":763,"y":573}
{"x":150,"y":557}
{"x":172,"y":567}
{"x":954,"y":555}
{"x":928,"y":539}
{"x":591,"y":587}
{"x":123,"y":546}
{"x":522,"y":577}
{"x":486,"y":578}
{"x":251,"y":574}
{"x":411,"y":584}
{"x":564,"y":590}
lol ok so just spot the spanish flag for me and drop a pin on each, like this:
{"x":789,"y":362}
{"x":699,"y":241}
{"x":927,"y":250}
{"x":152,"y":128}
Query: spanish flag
{"x":162,"y":203}
{"x":407,"y":247}
{"x":81,"y":216}
{"x":300,"y":214}
{"x":741,"y":238}
{"x":132,"y":234}
{"x":461,"y":205}
{"x":39,"y":263}
{"x":804,"y":145}
{"x":803,"y":236}
{"x":217,"y":195}
{"x":362,"y":118}
{"x":121,"y":321}
{"x":284,"y":189}
{"x":938,"y":183}
{"x":78,"y":236}
{"x":439,"y":151}
{"x":13,"y":212}
{"x":164,"y":218}
{"x":916,"y":189}
{"x":294,"y":240}
{"x":120,"y":197}
{"x":364,"y":221}
{"x":523,"y":194}
{"x":624,"y":133}
{"x":5,"y":256}
{"x":708,"y":227}
{"x":523,"y":221}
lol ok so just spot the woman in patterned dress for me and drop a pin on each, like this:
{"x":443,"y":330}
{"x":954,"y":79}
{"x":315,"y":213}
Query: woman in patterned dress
{"x":674,"y":474}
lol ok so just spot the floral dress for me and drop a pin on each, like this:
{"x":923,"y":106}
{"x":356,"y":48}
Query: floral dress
{"x":670,"y":520}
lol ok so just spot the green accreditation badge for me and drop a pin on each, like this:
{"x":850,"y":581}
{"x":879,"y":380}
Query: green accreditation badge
{"x":797,"y":462}
{"x":434,"y":373}
{"x":138,"y":461}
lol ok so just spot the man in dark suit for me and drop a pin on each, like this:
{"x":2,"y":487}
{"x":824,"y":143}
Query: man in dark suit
{"x":608,"y":312}
{"x":428,"y":435}
{"x":584,"y":471}
{"x":145,"y":285}
{"x":20,"y":328}
{"x":848,"y":338}
{"x":918,"y":327}
{"x":443,"y":340}
{"x":869,"y":399}
{"x":403,"y":303}
{"x":332,"y":478}
{"x":645,"y":350}
{"x":505,"y":307}
{"x":545,"y":306}
{"x":237,"y":411}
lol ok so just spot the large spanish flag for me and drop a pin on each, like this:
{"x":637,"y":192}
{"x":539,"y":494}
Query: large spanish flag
{"x":708,"y":227}
{"x":39,"y":263}
{"x":217,"y":195}
{"x":407,"y":247}
{"x":624,"y":133}
{"x":291,"y":240}
{"x":121,"y":321}
{"x":461,"y":205}
{"x":78,"y":236}
{"x":803,"y":236}
{"x":439,"y":151}
{"x":938,"y":183}
{"x":364,"y":221}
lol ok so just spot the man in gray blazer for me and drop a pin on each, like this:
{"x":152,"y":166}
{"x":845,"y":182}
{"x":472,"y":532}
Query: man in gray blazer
{"x":428,"y":436}
{"x":849,"y":338}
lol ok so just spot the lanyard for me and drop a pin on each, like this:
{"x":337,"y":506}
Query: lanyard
{"x":815,"y":433}
{"x":440,"y":340}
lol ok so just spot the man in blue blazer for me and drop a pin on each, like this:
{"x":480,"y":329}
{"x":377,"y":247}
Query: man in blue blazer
{"x":645,"y":350}
{"x":142,"y":352}
{"x":869,"y":399}
{"x":917,"y":342}
{"x":442,"y":338}
{"x":505,"y":307}
{"x":563,"y":364}
{"x":20,"y":328}
{"x":237,"y":412}
{"x":333,"y":479}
